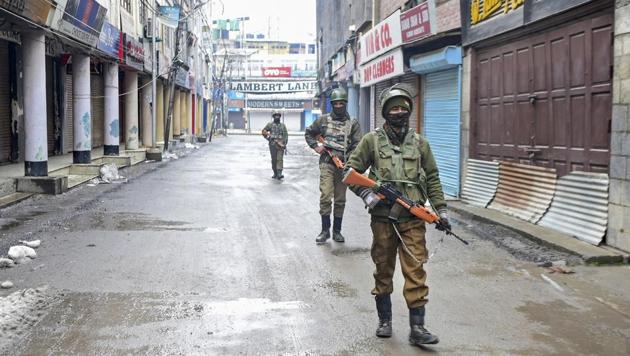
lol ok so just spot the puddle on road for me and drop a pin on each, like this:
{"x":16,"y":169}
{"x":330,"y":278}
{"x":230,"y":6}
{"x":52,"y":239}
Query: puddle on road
{"x":350,"y":251}
{"x":155,"y":323}
{"x":338,"y":289}
{"x":10,"y":222}
{"x":593,"y":329}
{"x":131,"y":222}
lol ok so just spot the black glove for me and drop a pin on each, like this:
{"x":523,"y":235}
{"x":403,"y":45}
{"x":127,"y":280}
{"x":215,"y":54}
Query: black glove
{"x":443,"y":224}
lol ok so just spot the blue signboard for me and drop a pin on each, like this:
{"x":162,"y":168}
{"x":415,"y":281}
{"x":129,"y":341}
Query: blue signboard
{"x":235,"y":95}
{"x":109,"y":40}
{"x":169,"y":16}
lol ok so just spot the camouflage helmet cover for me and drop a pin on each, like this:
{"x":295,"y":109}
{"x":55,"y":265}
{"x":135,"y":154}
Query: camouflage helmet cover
{"x":395,"y":92}
{"x":338,"y":94}
{"x":276,"y":112}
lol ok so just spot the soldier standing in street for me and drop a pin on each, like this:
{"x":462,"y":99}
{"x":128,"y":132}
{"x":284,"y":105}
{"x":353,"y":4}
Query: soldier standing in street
{"x":276,"y":133}
{"x":398,"y":156}
{"x":340,"y":135}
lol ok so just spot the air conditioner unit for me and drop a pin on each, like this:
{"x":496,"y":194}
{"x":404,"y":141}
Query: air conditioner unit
{"x":148,"y":29}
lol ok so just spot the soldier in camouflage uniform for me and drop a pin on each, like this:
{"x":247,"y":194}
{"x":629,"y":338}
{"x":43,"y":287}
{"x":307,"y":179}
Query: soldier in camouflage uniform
{"x":276,"y":133}
{"x":341,"y":134}
{"x":397,"y":155}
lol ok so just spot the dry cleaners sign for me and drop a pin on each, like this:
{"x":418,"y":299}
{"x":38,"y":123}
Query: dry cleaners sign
{"x":273,"y":87}
{"x":384,"y":67}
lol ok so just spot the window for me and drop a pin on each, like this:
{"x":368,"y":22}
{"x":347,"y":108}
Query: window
{"x":126,"y":4}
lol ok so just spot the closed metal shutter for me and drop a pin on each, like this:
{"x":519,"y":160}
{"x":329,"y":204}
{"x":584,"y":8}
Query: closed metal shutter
{"x":98,"y":109}
{"x":441,"y":125}
{"x":408,"y":81}
{"x":5,"y":103}
{"x":50,"y":106}
{"x":68,"y":124}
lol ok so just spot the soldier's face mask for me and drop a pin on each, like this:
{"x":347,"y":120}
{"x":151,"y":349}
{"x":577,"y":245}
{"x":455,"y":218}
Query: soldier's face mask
{"x":276,"y":118}
{"x":398,"y":117}
{"x":339,"y":108}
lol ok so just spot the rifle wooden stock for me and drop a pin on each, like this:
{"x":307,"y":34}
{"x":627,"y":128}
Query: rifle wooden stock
{"x":334,"y":158}
{"x":352,"y":177}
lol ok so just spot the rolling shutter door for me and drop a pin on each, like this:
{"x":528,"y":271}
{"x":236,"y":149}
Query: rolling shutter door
{"x":98,"y":109}
{"x":441,"y":125}
{"x":68,"y":127}
{"x":5,"y":103}
{"x":50,"y":106}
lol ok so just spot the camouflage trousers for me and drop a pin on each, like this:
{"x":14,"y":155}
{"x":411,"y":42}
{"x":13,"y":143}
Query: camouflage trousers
{"x":332,"y":189}
{"x":385,"y":245}
{"x":277,"y":157}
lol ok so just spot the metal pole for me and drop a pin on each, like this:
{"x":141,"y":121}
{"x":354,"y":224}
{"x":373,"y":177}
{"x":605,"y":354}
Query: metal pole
{"x":154,"y":79}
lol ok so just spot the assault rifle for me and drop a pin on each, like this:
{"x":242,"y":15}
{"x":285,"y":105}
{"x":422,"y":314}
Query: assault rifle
{"x":389,"y":193}
{"x":328,"y":146}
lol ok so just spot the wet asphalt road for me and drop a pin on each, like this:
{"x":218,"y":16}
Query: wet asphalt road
{"x":207,"y":255}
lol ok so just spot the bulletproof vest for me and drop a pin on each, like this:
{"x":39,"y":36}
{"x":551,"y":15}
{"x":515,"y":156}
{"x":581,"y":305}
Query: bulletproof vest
{"x":338,"y":132}
{"x":400,"y":165}
{"x":276,"y":131}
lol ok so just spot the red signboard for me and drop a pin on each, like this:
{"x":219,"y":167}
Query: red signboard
{"x":275,"y":72}
{"x":415,"y":23}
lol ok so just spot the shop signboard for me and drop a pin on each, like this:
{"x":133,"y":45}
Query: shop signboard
{"x":274,"y":87}
{"x":109,"y":40}
{"x":134,"y":52}
{"x":83,"y":20}
{"x":416,"y":23}
{"x":275,"y":104}
{"x":383,"y":37}
{"x":384,"y":67}
{"x":275,"y":72}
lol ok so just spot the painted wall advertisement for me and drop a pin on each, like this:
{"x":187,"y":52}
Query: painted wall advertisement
{"x":385,"y":67}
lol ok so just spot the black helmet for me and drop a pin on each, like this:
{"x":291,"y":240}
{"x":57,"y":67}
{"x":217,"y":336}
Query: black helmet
{"x":395,"y":92}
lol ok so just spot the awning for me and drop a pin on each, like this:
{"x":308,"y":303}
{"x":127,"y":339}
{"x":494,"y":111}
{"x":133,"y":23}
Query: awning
{"x":441,"y":59}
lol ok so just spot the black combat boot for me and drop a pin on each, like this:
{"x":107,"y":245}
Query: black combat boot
{"x":325,"y":234}
{"x":280,"y":176}
{"x":418,"y":334}
{"x":337,"y":236}
{"x":275,"y":174}
{"x":384,"y":308}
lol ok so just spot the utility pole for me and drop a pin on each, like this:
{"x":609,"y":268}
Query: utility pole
{"x":171,"y":78}
{"x":154,"y":153}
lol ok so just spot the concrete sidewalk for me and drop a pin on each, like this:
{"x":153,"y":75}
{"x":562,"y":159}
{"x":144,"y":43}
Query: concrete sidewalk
{"x":542,"y":235}
{"x":61,"y":165}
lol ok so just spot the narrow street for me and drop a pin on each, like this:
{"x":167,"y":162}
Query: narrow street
{"x":208,"y":255}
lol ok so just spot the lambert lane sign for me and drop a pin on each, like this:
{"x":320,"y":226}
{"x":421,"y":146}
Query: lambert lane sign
{"x":273,"y":87}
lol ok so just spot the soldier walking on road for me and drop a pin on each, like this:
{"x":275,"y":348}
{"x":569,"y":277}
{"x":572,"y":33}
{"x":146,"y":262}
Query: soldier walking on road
{"x":340,"y":135}
{"x":276,"y":133}
{"x":398,"y":156}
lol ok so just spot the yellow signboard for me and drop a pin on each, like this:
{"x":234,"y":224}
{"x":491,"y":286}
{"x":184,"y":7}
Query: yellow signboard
{"x":481,"y":10}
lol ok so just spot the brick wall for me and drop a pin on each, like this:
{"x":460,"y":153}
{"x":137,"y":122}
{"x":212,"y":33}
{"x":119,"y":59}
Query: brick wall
{"x":619,"y":201}
{"x":389,"y":6}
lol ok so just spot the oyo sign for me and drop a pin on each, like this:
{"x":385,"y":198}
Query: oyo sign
{"x":275,"y":72}
{"x":383,"y":37}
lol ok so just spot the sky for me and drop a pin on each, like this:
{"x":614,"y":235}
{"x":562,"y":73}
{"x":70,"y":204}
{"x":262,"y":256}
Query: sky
{"x":286,"y":20}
